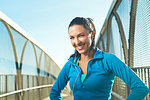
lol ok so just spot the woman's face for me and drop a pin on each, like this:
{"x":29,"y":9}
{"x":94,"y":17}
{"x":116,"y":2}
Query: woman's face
{"x":80,"y":38}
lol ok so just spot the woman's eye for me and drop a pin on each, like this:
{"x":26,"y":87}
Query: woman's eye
{"x":81,"y":35}
{"x":71,"y":37}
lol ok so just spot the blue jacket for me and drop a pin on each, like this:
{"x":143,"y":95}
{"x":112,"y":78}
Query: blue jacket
{"x":97,"y":85}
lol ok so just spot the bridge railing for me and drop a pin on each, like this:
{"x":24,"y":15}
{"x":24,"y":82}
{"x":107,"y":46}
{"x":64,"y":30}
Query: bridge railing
{"x":126,"y":33}
{"x":30,"y":90}
{"x":120,"y":87}
{"x":24,"y":64}
{"x":144,"y":74}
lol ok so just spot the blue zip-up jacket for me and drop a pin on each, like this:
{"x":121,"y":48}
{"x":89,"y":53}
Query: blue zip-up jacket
{"x":97,"y":85}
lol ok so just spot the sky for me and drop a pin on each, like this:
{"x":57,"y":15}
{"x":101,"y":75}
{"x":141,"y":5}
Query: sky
{"x":47,"y":21}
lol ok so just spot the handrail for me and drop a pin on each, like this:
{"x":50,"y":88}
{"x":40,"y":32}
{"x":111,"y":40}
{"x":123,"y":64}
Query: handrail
{"x":118,"y":96}
{"x":44,"y":86}
{"x":27,"y":89}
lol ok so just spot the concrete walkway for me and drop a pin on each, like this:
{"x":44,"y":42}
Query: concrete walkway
{"x":68,"y":98}
{"x":64,"y":98}
{"x":46,"y":98}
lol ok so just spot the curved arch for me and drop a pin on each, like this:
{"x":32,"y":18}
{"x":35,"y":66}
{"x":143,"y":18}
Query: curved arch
{"x":19,"y":70}
{"x":40,"y":59}
{"x":103,"y":45}
{"x":101,"y":35}
{"x":22,"y":54}
{"x":28,"y":59}
{"x":18,"y":77}
{"x":38,"y":67}
{"x":13,"y":43}
{"x":38,"y":64}
{"x":121,"y":31}
{"x":38,"y":78}
{"x":108,"y":32}
{"x":132,"y":31}
{"x":107,"y":26}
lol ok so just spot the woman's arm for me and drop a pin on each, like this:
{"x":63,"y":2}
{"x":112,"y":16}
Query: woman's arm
{"x":60,"y":83}
{"x":138,"y":89}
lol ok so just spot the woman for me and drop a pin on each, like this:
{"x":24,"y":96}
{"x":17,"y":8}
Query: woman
{"x":91,"y":72}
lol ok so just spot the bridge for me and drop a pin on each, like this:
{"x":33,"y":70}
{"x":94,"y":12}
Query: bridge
{"x":28,"y":71}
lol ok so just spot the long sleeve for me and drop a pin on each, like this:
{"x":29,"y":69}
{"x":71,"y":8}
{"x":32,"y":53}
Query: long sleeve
{"x":138,"y":89}
{"x":60,"y":83}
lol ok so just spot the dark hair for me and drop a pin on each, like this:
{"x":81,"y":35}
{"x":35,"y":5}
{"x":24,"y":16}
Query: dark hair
{"x":87,"y":24}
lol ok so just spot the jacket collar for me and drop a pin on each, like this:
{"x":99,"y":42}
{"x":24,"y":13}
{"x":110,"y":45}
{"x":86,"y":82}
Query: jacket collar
{"x":98,"y":55}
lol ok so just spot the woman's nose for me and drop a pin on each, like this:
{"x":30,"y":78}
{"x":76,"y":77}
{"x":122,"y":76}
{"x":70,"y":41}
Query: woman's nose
{"x":77,"y":41}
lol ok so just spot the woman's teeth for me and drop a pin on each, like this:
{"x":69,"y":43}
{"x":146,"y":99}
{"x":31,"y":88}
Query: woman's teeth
{"x":80,"y":47}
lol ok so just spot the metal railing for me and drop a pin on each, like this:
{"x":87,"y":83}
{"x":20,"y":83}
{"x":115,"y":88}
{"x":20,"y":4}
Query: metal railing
{"x":120,"y":87}
{"x":25,"y":65}
{"x":125,"y":33}
{"x":24,"y":90}
{"x":117,"y":96}
{"x":33,"y":87}
{"x":144,"y":74}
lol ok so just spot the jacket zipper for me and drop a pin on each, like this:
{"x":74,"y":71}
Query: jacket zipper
{"x":86,"y":74}
{"x":80,"y":72}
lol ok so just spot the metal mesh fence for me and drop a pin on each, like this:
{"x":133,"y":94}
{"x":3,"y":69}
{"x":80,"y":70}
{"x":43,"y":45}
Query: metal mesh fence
{"x":134,"y":17}
{"x":142,"y":34}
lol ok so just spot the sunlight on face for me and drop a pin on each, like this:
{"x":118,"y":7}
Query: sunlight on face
{"x":80,"y":38}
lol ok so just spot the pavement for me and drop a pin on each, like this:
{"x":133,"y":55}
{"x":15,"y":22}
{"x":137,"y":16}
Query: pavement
{"x":64,"y":98}
{"x":68,"y":98}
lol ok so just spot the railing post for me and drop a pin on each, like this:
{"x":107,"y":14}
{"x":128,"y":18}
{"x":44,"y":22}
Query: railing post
{"x":33,"y":86}
{"x":28,"y":87}
{"x":19,"y":81}
{"x":6,"y":88}
{"x":39,"y":90}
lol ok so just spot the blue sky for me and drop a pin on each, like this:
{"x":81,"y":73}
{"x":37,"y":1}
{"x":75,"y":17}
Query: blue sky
{"x":47,"y":21}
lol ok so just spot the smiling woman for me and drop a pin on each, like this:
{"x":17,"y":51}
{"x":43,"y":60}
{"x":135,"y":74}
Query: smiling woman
{"x":80,"y":38}
{"x":90,"y":71}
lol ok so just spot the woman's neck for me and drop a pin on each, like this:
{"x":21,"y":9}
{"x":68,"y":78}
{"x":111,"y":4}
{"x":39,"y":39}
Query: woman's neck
{"x":88,"y":55}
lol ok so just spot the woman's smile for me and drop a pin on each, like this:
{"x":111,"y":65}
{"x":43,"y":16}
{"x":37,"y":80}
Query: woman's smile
{"x":80,"y":38}
{"x":80,"y":47}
